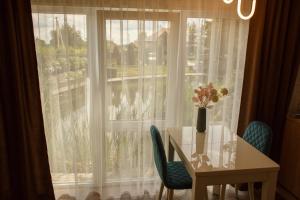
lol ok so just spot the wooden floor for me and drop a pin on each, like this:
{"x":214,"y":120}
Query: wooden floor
{"x":230,"y":195}
{"x":121,"y":195}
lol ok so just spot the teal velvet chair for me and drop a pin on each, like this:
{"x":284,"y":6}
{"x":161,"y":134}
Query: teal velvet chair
{"x":173,"y":174}
{"x":259,"y":135}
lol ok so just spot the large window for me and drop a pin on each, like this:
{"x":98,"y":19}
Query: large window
{"x":106,"y":76}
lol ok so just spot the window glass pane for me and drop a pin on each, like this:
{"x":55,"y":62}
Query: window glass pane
{"x":213,"y":49}
{"x":198,"y":38}
{"x":61,"y":47}
{"x":136,"y":67}
{"x":129,"y":156}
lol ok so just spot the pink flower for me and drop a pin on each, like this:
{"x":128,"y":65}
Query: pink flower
{"x":206,"y":92}
{"x":210,"y":85}
{"x":195,"y":99}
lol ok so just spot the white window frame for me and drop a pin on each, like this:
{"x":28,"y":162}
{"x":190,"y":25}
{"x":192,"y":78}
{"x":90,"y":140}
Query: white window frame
{"x":102,"y":16}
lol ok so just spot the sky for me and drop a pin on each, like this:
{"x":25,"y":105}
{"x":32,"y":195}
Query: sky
{"x":118,"y":31}
{"x":131,"y":29}
{"x":44,"y":23}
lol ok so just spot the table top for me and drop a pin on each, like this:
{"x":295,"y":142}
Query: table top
{"x":217,"y":150}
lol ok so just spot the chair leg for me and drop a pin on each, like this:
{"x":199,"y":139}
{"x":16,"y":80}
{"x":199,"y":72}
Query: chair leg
{"x":251,"y":191}
{"x":223,"y":190}
{"x":170,"y":194}
{"x":236,"y":188}
{"x":161,"y":190}
{"x":167,"y":194}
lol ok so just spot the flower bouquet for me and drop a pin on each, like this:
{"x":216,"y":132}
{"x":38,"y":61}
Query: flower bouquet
{"x":206,"y":97}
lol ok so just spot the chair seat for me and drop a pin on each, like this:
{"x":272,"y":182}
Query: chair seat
{"x":177,"y":176}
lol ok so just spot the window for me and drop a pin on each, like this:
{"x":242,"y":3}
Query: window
{"x":62,"y":53}
{"x":135,"y":63}
{"x":106,"y":76}
{"x":213,"y":54}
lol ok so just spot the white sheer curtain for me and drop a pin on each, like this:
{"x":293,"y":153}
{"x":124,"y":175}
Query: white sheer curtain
{"x":110,"y":69}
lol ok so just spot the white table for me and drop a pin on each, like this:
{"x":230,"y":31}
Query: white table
{"x":221,"y":157}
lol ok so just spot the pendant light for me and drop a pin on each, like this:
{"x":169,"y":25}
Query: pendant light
{"x":239,"y":8}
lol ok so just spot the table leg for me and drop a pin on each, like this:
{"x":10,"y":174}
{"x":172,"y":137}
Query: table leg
{"x":171,"y":151}
{"x":199,"y":190}
{"x":216,"y":190}
{"x":269,"y":187}
{"x":251,"y":191}
{"x":223,"y":191}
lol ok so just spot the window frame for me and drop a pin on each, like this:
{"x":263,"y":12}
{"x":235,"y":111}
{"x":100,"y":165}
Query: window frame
{"x":102,"y":16}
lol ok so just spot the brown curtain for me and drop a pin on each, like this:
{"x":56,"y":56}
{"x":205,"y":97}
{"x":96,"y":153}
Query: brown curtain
{"x":273,"y":58}
{"x":24,"y":168}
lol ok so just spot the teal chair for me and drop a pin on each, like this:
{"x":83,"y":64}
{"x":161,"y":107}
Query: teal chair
{"x":173,"y":174}
{"x":259,"y":135}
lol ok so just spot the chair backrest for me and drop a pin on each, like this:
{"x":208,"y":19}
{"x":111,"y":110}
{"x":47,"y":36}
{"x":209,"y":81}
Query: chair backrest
{"x":259,"y":135}
{"x":159,"y":153}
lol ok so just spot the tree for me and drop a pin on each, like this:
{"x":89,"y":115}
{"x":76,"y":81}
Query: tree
{"x":116,"y":55}
{"x":162,"y":48}
{"x":40,"y":43}
{"x":191,"y":39}
{"x":66,"y":35}
{"x":132,"y":54}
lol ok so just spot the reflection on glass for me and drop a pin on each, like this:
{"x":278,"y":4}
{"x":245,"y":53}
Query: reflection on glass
{"x":212,"y":150}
